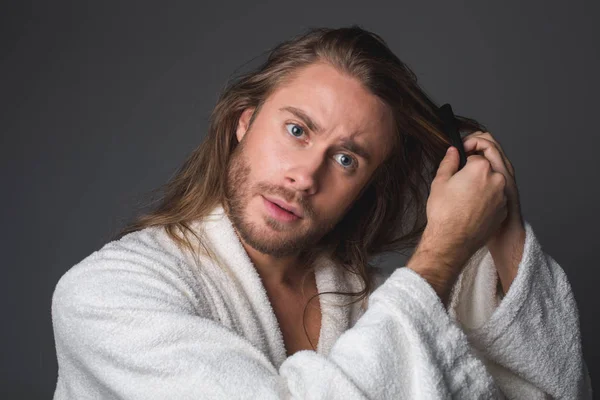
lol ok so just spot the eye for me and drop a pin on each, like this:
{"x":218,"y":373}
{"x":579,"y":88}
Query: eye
{"x":296,"y":129}
{"x":347,"y":161}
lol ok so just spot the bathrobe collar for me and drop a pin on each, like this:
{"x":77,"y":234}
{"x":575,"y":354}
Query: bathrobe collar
{"x":262,"y":327}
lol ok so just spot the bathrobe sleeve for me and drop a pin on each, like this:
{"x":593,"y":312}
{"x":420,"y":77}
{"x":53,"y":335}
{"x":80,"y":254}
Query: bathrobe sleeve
{"x":128,"y":325}
{"x":529,"y":339}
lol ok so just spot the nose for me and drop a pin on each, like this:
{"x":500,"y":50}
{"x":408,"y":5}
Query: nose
{"x":303,"y":171}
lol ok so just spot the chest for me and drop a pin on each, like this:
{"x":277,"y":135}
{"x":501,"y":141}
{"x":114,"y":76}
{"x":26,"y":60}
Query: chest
{"x":299,"y":326}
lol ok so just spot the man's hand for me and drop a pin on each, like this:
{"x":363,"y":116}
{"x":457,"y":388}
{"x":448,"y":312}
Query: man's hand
{"x":464,"y":209}
{"x":506,"y":246}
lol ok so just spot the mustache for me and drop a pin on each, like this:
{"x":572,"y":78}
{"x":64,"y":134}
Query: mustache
{"x":288,"y":197}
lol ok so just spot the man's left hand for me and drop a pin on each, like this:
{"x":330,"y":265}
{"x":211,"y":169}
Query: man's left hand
{"x":506,"y":245}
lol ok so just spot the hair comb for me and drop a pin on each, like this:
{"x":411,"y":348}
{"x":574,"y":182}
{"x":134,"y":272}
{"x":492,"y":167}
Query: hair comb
{"x":450,"y":128}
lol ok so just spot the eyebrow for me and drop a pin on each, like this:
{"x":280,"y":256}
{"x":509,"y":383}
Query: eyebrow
{"x":345,"y":143}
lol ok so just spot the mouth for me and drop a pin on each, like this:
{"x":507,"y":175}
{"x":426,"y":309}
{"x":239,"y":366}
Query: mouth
{"x":279,"y":212}
{"x":284,"y":206}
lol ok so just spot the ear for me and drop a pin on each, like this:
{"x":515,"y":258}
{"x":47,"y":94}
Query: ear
{"x":244,"y":122}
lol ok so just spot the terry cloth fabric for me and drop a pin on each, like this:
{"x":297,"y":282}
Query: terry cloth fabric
{"x":137,"y":319}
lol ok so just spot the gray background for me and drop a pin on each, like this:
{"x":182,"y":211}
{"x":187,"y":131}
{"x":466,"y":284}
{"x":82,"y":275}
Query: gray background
{"x":101,"y":102}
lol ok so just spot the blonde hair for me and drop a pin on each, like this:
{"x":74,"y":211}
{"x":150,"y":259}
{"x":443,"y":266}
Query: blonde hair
{"x":389,"y":215}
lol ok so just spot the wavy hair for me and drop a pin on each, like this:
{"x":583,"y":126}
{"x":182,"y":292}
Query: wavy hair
{"x":390,"y":213}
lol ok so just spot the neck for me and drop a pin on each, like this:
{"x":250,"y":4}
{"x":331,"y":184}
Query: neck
{"x":281,"y":272}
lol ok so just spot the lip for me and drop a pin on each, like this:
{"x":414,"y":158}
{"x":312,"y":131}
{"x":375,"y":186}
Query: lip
{"x":295,"y":210}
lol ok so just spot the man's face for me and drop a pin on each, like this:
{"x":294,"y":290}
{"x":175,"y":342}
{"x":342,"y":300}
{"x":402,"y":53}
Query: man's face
{"x":282,"y":156}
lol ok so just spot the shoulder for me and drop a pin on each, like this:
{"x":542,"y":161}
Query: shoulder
{"x":379,"y":275}
{"x":142,"y":269}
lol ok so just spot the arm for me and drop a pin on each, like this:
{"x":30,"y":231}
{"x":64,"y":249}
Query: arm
{"x":530,"y":339}
{"x":128,"y":326}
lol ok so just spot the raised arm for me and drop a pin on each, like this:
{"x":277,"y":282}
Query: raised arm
{"x":530,"y":339}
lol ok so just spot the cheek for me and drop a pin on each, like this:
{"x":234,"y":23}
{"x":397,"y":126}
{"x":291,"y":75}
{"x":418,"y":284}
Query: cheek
{"x":353,"y":193}
{"x":267,"y":157}
{"x":276,"y":152}
{"x":338,"y":197}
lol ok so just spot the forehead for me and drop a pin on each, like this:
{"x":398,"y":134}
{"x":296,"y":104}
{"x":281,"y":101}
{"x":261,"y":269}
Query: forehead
{"x":338,"y":103}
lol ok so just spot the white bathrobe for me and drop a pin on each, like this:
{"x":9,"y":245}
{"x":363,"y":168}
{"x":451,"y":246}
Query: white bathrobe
{"x":137,"y":320}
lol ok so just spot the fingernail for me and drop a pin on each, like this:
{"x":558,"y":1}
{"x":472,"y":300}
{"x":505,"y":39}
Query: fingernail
{"x":449,"y":149}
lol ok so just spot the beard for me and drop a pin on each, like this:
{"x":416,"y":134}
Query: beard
{"x":278,"y":239}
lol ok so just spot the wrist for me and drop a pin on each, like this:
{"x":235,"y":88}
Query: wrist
{"x":452,"y":256}
{"x":440,"y":275}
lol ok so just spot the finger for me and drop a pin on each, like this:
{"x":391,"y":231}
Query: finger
{"x":472,"y":134}
{"x":488,"y":136}
{"x":448,"y":165}
{"x":490,"y":151}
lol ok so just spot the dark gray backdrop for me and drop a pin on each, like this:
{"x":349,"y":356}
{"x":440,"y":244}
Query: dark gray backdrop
{"x":101,"y":102}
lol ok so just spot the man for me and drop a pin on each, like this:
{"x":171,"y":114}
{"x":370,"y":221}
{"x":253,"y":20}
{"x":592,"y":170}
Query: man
{"x":309,"y":169}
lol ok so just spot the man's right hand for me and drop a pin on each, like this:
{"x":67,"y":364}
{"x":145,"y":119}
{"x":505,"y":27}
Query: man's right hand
{"x":464,"y":209}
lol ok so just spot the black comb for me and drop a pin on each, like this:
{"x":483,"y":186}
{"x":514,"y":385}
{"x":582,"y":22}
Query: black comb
{"x":450,"y":128}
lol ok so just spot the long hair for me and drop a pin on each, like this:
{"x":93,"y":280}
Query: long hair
{"x":390,"y":213}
